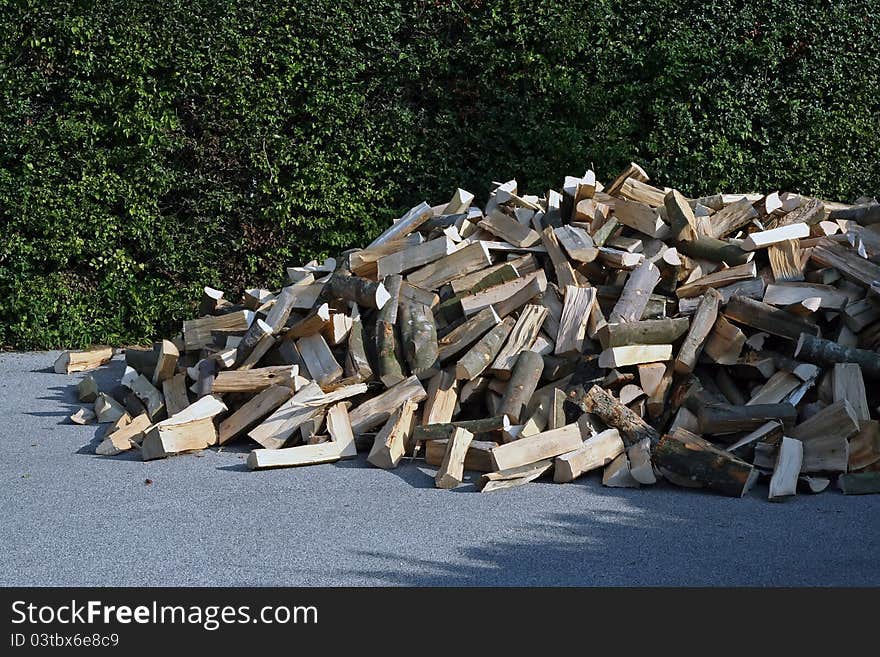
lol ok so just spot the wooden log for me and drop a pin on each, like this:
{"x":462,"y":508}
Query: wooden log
{"x":377,"y":410}
{"x":150,"y":397}
{"x":274,"y":431}
{"x":124,"y":438}
{"x":509,"y":229}
{"x":467,"y":333}
{"x":825,"y":435}
{"x":725,"y":342}
{"x":765,"y":238}
{"x":864,"y":447}
{"x":633,"y":171}
{"x":418,"y":336}
{"x":701,"y":325}
{"x":573,"y":322}
{"x":513,"y":477}
{"x":618,"y":474}
{"x":652,"y":331}
{"x":816,"y":350}
{"x":636,"y":293}
{"x":475,"y":361}
{"x":595,"y":452}
{"x":357,"y":364}
{"x":681,"y":217}
{"x":641,"y":217}
{"x":810,"y":213}
{"x":364,"y":292}
{"x":364,"y":262}
{"x":252,"y":412}
{"x":537,"y":285}
{"x":408,"y":223}
{"x":637,"y":435}
{"x":562,"y":267}
{"x":520,"y":339}
{"x":477,"y":458}
{"x":389,"y":444}
{"x":484,"y":428}
{"x":766,"y":318}
{"x":777,"y":388}
{"x":442,"y":398}
{"x":859,"y":483}
{"x":785,"y":261}
{"x":254,"y":336}
{"x":535,"y":448}
{"x":689,"y":456}
{"x":731,"y":218}
{"x":166,"y":362}
{"x":717,"y":279}
{"x":602,"y":233}
{"x":322,"y":364}
{"x":211,"y":301}
{"x":634,"y":355}
{"x":715,"y":250}
{"x":87,"y":390}
{"x":471,"y":258}
{"x":197,"y":332}
{"x":619,"y":259}
{"x":577,"y":243}
{"x":107,"y":409}
{"x":827,"y":253}
{"x":451,"y":470}
{"x":492,"y":296}
{"x":522,"y":385}
{"x":193,"y":429}
{"x":414,"y":257}
{"x":727,"y":418}
{"x":636,"y":190}
{"x":83,"y":416}
{"x":483,"y":279}
{"x":784,"y":481}
{"x":785,"y":294}
{"x":849,"y":385}
{"x":81,"y":361}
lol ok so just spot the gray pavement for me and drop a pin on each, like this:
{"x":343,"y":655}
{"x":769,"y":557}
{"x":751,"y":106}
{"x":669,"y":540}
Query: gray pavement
{"x":70,"y":518}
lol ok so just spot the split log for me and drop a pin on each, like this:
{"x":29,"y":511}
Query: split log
{"x":784,"y":481}
{"x":509,"y":229}
{"x":211,"y":301}
{"x":537,"y":285}
{"x":618,"y":474}
{"x":357,"y":364}
{"x":636,"y":293}
{"x":715,"y":250}
{"x":701,"y":325}
{"x":816,"y":350}
{"x":717,"y":279}
{"x":785,"y":294}
{"x":725,"y":342}
{"x":484,"y":351}
{"x":166,"y":362}
{"x":595,"y":452}
{"x":274,"y":431}
{"x":520,"y":339}
{"x":765,"y":238}
{"x":414,"y":257}
{"x":477,"y":458}
{"x":651,"y":331}
{"x":389,"y":353}
{"x":577,"y":243}
{"x":573,"y":322}
{"x":375,"y":411}
{"x":825,"y":435}
{"x":731,"y":218}
{"x":785,"y":261}
{"x":562,"y":267}
{"x":465,"y":335}
{"x":389,"y":444}
{"x":687,"y":455}
{"x":641,"y":217}
{"x":253,"y":411}
{"x":471,"y":258}
{"x":849,"y":385}
{"x":513,"y":477}
{"x":451,"y":470}
{"x":321,"y":363}
{"x":633,"y":171}
{"x":859,"y":483}
{"x":408,"y":223}
{"x":81,"y":361}
{"x":193,"y":429}
{"x":255,"y":380}
{"x":364,"y":292}
{"x":125,"y":437}
{"x":522,"y":385}
{"x":727,"y":418}
{"x":864,"y":447}
{"x":87,"y":390}
{"x":827,"y":253}
{"x":544,"y":445}
{"x":637,"y":435}
{"x":634,"y":355}
{"x":197,"y":332}
{"x":681,"y":217}
{"x":83,"y":416}
{"x":418,"y":336}
{"x":766,"y":318}
{"x":150,"y":397}
{"x":442,"y":398}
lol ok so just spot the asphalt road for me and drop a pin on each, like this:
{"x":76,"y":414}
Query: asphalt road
{"x":70,"y":518}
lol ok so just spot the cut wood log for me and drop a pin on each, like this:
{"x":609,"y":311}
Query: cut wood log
{"x":166,"y":362}
{"x":681,"y":217}
{"x":492,"y":296}
{"x":634,"y":355}
{"x":564,"y":272}
{"x":504,"y":479}
{"x":408,"y":223}
{"x":859,"y":483}
{"x":197,"y":332}
{"x":573,"y":322}
{"x":414,"y":257}
{"x":827,"y":253}
{"x":727,"y":418}
{"x":619,"y":259}
{"x":389,"y":445}
{"x":725,"y":342}
{"x":765,"y":317}
{"x":715,"y":250}
{"x":418,"y":336}
{"x":701,"y":325}
{"x":478,"y":457}
{"x":255,"y":380}
{"x":83,"y":416}
{"x":778,"y":388}
{"x":475,"y":361}
{"x":108,"y":409}
{"x":652,"y":331}
{"x":825,"y":435}
{"x":520,"y":339}
{"x":785,"y":294}
{"x":191,"y":430}
{"x":785,"y":261}
{"x":377,"y":410}
{"x":451,"y":470}
{"x":471,"y":258}
{"x":535,"y":448}
{"x":731,"y":218}
{"x":150,"y":397}
{"x":816,"y":350}
{"x":442,"y":398}
{"x":274,"y":431}
{"x":509,"y":229}
{"x":618,"y":474}
{"x":125,"y":437}
{"x":364,"y":292}
{"x":595,"y":452}
{"x":522,"y":385}
{"x":467,"y":333}
{"x":864,"y":447}
{"x":320,"y":360}
{"x":636,"y":293}
{"x":784,"y":481}
{"x":641,"y":217}
{"x":765,"y":238}
{"x":717,"y":279}
{"x":81,"y":361}
{"x":577,"y":243}
{"x":252,"y":412}
{"x":87,"y":390}
{"x":850,"y":386}
{"x":690,"y":456}
{"x":537,"y":285}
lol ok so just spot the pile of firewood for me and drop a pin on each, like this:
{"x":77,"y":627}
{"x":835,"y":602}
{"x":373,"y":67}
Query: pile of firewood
{"x":709,"y":341}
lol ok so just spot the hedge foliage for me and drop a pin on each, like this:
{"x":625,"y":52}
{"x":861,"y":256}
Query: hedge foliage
{"x":150,"y":148}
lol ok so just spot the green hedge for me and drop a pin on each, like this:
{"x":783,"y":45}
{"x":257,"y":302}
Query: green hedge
{"x":150,"y":148}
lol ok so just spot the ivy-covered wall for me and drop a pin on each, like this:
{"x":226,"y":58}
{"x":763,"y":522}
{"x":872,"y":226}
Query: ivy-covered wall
{"x":150,"y":148}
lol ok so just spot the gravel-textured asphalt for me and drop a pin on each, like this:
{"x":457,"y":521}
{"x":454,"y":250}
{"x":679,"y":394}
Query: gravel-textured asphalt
{"x":71,"y":518}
